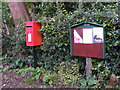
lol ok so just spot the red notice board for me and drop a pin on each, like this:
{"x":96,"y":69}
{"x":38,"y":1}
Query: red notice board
{"x":87,"y":40}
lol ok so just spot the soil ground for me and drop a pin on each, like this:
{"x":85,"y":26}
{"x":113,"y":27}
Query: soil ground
{"x":10,"y":79}
{"x":13,"y":80}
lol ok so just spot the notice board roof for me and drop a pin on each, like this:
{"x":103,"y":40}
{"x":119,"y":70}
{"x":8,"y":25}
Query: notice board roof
{"x":86,"y":24}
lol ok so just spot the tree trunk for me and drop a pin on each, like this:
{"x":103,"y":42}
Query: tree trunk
{"x":19,"y":11}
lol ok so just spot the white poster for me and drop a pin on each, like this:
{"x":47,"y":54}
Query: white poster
{"x":77,"y":38}
{"x":29,"y":37}
{"x":98,"y":35}
{"x":87,"y":36}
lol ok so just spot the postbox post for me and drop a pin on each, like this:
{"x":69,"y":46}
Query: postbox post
{"x":34,"y":57}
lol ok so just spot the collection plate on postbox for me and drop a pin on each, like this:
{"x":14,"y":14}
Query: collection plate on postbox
{"x":87,"y":40}
{"x":33,"y":35}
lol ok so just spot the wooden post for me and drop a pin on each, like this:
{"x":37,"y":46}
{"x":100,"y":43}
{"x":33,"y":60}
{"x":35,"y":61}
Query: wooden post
{"x":88,"y":67}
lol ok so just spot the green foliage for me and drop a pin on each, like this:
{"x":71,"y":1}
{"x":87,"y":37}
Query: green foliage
{"x":68,"y":74}
{"x":49,"y":79}
{"x":1,"y":66}
{"x":90,"y":83}
{"x":19,"y":63}
{"x":56,"y":39}
{"x":34,"y":74}
{"x":6,"y":69}
{"x":6,"y":16}
{"x":47,"y":9}
{"x":15,"y":46}
{"x":25,"y":70}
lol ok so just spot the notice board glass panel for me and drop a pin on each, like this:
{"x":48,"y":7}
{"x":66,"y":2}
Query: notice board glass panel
{"x":98,"y":36}
{"x":87,"y":36}
{"x":77,"y":37}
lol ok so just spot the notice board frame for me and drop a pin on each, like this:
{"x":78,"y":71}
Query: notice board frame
{"x":86,"y":25}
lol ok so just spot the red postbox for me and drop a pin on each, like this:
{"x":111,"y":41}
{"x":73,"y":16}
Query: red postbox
{"x":33,"y":35}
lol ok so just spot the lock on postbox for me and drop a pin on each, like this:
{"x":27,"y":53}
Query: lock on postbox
{"x":33,"y":35}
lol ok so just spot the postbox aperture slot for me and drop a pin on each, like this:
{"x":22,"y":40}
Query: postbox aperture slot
{"x":28,"y":26}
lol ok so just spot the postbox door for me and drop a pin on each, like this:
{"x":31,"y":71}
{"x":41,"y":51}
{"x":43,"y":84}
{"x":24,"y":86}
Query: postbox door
{"x":29,"y":35}
{"x":37,"y":34}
